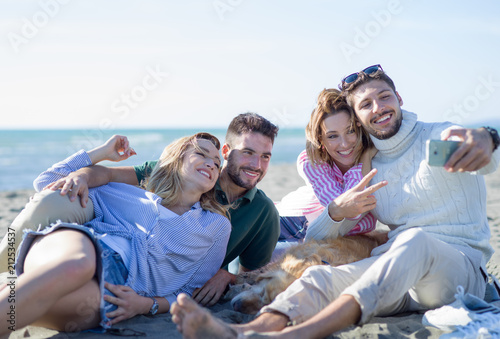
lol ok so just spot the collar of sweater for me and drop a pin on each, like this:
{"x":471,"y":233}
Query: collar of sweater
{"x":405,"y":135}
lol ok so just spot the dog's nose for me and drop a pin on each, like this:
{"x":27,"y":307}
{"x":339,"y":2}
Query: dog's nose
{"x":237,"y":304}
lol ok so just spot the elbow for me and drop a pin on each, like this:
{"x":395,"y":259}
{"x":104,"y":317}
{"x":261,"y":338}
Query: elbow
{"x":39,"y":184}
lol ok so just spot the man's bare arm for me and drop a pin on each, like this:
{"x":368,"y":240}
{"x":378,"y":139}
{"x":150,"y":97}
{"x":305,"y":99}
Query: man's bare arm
{"x":79,"y":182}
{"x":117,"y":148}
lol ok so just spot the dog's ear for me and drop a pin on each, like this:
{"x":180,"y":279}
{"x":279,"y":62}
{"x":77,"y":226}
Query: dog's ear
{"x":247,"y":277}
{"x":276,"y":286}
{"x":234,"y":290}
{"x":314,"y":259}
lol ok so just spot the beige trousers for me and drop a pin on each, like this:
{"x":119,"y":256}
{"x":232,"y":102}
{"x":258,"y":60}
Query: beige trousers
{"x":44,"y":208}
{"x":416,"y":273}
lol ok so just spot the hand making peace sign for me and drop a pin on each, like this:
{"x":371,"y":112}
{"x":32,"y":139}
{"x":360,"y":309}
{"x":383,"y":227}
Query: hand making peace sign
{"x":357,"y":200}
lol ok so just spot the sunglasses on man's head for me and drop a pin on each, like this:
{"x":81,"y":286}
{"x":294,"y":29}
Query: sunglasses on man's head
{"x":209,"y":137}
{"x":368,"y":71}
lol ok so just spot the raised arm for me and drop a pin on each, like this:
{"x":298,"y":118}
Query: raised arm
{"x":477,"y":151}
{"x":78,"y":183}
{"x":75,"y":175}
{"x":116,"y":149}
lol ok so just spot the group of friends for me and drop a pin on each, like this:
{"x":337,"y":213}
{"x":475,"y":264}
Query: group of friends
{"x":103,"y":244}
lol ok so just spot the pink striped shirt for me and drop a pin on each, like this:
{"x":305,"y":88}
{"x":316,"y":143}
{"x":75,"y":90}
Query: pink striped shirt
{"x":328,"y":183}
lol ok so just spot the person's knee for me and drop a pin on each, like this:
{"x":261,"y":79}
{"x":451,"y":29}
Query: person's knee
{"x":48,"y":203}
{"x":413,"y":236}
{"x":317,"y":272}
{"x":413,"y":233}
{"x":79,"y":268}
{"x":48,"y":206}
{"x":435,"y":295}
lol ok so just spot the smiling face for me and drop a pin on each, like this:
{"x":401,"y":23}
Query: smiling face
{"x":378,"y":108}
{"x":340,"y":140}
{"x":248,"y":159}
{"x":200,"y":166}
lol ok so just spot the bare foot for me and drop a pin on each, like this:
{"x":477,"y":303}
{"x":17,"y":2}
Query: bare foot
{"x":195,"y":322}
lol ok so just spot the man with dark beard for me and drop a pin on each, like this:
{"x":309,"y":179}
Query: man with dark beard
{"x":254,"y":218}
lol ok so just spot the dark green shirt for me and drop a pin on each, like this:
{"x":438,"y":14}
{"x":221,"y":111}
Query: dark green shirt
{"x":254,"y":220}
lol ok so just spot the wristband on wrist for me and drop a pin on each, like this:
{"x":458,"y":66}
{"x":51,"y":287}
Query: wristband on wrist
{"x":494,"y":136}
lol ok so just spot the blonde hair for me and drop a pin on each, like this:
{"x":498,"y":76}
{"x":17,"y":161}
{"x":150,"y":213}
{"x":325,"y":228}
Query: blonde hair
{"x":166,"y":181}
{"x":330,"y":102}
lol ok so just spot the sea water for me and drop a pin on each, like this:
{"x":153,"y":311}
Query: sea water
{"x":26,"y":153}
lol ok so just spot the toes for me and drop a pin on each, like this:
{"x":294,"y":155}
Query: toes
{"x":186,"y":303}
{"x":194,"y":321}
{"x":177,"y":315}
{"x":177,"y":318}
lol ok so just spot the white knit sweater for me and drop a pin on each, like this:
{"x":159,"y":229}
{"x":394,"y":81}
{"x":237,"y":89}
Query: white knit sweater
{"x":451,"y":206}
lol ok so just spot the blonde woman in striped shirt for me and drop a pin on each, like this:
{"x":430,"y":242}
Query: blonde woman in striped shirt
{"x":141,"y":250}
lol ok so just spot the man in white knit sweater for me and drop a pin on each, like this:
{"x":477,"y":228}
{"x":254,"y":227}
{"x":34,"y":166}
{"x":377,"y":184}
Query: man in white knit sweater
{"x":439,"y":235}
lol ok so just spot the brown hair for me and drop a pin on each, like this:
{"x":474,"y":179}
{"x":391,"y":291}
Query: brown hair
{"x":165,"y":180}
{"x":250,"y":122}
{"x":330,"y":102}
{"x":349,"y":89}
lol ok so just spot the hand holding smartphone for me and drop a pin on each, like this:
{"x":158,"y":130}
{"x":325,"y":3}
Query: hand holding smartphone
{"x":439,"y":151}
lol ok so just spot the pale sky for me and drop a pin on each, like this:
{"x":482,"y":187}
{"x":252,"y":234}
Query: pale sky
{"x":168,"y":64}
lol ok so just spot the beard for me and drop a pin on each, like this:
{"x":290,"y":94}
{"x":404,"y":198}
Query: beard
{"x":383,"y":135}
{"x":233,"y":171}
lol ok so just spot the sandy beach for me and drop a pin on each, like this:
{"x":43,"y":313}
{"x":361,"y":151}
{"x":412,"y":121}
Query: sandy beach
{"x":280,"y":180}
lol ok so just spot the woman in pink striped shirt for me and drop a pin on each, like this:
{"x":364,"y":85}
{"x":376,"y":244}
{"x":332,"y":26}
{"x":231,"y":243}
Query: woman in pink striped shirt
{"x":338,"y":154}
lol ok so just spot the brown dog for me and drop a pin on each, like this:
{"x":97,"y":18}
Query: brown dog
{"x":255,"y":289}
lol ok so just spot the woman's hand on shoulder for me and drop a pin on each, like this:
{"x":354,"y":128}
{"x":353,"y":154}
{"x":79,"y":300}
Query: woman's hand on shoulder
{"x":366,"y":159}
{"x":117,"y":148}
{"x":368,"y":154}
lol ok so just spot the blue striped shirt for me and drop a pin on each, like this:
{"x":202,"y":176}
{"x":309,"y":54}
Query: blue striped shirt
{"x":168,"y":256}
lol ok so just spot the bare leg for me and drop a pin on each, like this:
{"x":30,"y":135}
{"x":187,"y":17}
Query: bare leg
{"x":194,"y":321}
{"x":59,"y":265}
{"x":341,"y":313}
{"x":76,"y":311}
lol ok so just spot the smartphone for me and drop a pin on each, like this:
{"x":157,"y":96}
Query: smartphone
{"x":439,"y":151}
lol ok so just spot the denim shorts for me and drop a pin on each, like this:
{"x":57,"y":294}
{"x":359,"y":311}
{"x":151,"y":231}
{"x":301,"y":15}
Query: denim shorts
{"x":292,"y":228}
{"x":109,"y":266}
